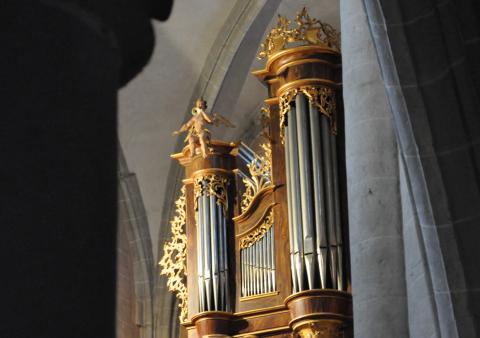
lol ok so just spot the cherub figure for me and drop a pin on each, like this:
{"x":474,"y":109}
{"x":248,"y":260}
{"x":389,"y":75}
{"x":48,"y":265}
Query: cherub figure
{"x":198,"y":134}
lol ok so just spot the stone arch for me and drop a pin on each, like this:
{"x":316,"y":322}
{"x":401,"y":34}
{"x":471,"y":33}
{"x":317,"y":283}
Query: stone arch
{"x":133,"y":240}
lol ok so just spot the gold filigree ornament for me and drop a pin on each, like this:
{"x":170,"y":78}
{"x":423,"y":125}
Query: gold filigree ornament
{"x":260,"y":170}
{"x":211,"y":185}
{"x":309,"y":31}
{"x":319,"y":329}
{"x":323,"y":98}
{"x":174,"y":260}
{"x":258,"y":233}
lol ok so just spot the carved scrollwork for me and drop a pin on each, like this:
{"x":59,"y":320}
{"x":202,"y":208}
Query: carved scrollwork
{"x":258,"y":233}
{"x":211,"y":185}
{"x":309,"y":30}
{"x":318,"y":329}
{"x":174,"y":260}
{"x":260,"y":170}
{"x":321,"y":97}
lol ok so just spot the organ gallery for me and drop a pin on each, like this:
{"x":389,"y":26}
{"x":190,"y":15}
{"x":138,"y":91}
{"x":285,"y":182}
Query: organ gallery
{"x":259,"y":243}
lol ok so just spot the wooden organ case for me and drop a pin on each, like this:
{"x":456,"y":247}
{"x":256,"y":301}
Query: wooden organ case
{"x":260,"y":241}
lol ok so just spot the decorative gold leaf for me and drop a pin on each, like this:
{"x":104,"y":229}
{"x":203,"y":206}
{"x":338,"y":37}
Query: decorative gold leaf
{"x":174,"y":261}
{"x":260,"y":170}
{"x":309,"y":31}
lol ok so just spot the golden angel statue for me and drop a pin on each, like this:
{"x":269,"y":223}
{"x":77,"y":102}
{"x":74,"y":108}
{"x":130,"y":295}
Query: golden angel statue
{"x":197,"y":133}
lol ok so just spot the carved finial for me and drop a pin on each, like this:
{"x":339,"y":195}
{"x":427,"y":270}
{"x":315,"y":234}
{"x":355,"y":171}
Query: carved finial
{"x":309,"y":31}
{"x":196,"y":128}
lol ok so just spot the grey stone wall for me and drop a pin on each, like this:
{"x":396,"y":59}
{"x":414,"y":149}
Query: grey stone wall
{"x":376,"y":243}
{"x":428,"y":53}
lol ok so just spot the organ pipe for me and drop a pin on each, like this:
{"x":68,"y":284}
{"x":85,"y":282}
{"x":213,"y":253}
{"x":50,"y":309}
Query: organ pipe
{"x":257,"y":265}
{"x":313,"y":196}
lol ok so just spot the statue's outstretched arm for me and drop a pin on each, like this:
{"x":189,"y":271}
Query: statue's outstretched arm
{"x":207,"y":118}
{"x":183,"y":128}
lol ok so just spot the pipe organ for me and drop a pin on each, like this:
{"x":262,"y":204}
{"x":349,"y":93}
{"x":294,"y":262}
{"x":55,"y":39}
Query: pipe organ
{"x":263,"y":233}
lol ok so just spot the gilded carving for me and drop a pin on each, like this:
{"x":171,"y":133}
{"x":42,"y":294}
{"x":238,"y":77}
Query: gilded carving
{"x":174,"y":260}
{"x":260,"y":170}
{"x":196,"y":128}
{"x":211,"y":185}
{"x":258,"y":233}
{"x":309,"y":31}
{"x":319,"y":329}
{"x":321,"y":97}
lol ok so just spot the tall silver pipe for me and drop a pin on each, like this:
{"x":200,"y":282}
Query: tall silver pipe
{"x":305,"y":188}
{"x":267,"y":262}
{"x":227,"y":306}
{"x":330,"y":198}
{"x":259,"y":267}
{"x":214,"y":242}
{"x":269,"y":265}
{"x":260,"y":272}
{"x":249,"y":272}
{"x":296,"y":205}
{"x":221,"y":255}
{"x":272,"y":256}
{"x":265,"y":265}
{"x":318,"y":194}
{"x":338,"y":221}
{"x":254,"y":274}
{"x":290,"y":210}
{"x":201,"y":284}
{"x":207,"y":259}
{"x":250,"y":267}
{"x":257,"y":272}
{"x":242,"y":270}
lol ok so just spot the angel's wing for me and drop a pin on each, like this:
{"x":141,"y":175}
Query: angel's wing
{"x":218,"y":119}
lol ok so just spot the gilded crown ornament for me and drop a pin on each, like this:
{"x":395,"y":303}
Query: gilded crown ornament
{"x":309,"y":31}
{"x":198,"y":136}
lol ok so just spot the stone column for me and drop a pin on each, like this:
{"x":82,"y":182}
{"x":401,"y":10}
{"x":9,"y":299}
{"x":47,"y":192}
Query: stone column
{"x":375,"y":219}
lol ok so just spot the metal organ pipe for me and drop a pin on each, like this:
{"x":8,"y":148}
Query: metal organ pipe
{"x":295,"y":199}
{"x":290,"y":209}
{"x":272,"y":256}
{"x":305,"y":188}
{"x":207,"y":253}
{"x":257,"y":265}
{"x":318,"y":195}
{"x":313,"y":196}
{"x":338,"y":224}
{"x":213,"y":244}
{"x":200,"y":222}
{"x":226,"y":288}
{"x":330,"y":198}
{"x":212,"y":260}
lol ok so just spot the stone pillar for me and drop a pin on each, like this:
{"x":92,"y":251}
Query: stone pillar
{"x":61,"y":65}
{"x":376,"y":244}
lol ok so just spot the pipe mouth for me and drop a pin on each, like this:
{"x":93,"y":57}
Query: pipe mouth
{"x":212,"y":315}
